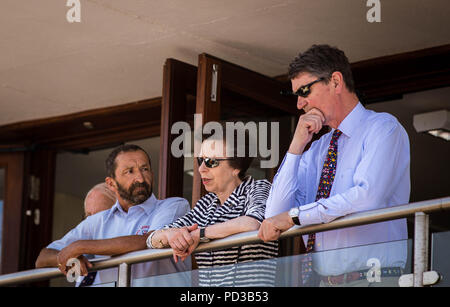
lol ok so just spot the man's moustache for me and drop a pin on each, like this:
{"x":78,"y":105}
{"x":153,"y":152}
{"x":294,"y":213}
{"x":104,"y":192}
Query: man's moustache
{"x":139,"y":185}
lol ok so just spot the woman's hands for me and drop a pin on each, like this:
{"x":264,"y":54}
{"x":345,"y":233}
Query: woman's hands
{"x":183,"y":254}
{"x":183,"y":241}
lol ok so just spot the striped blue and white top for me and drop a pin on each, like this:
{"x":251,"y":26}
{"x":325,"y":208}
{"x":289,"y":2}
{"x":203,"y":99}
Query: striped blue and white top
{"x":234,"y":266}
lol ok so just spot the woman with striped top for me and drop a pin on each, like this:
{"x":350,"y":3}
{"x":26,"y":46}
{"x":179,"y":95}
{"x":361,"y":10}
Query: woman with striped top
{"x":235,"y":203}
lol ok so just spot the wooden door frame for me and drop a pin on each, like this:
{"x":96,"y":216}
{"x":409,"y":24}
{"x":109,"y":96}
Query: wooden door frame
{"x":37,"y":203}
{"x":13,"y":164}
{"x":207,"y":108}
{"x":179,"y":81}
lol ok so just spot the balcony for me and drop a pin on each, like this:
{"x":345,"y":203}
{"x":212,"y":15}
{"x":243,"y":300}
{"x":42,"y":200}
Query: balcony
{"x":412,"y":268}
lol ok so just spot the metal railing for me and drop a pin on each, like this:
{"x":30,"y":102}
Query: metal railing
{"x":419,"y":210}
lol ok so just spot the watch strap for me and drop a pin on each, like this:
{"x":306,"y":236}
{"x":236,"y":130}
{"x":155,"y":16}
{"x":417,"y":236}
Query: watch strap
{"x":202,"y":233}
{"x":203,"y":238}
{"x":293,"y":213}
{"x":296,"y":220}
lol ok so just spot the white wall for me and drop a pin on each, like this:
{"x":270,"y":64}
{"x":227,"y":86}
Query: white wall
{"x":429,"y":155}
{"x":68,"y":212}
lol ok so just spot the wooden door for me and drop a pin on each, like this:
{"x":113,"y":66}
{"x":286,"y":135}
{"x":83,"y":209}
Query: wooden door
{"x":177,"y":104}
{"x":11,"y":171}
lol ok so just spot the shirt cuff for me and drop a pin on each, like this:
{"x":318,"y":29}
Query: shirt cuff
{"x":56,"y":246}
{"x":309,"y":214}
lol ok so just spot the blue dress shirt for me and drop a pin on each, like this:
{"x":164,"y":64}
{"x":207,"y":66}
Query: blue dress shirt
{"x":115,"y":222}
{"x":372,"y":172}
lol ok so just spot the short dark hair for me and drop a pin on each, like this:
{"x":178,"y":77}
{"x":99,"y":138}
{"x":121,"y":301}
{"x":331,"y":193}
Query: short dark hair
{"x":323,"y":61}
{"x":110,"y":162}
{"x":241,"y":163}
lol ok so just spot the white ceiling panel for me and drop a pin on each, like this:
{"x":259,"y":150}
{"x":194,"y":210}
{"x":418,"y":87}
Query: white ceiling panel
{"x":115,"y":55}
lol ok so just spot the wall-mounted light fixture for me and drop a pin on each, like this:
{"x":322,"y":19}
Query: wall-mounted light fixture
{"x":88,"y":125}
{"x":435,"y":123}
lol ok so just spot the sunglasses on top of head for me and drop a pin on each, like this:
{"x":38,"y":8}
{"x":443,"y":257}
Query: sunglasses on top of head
{"x":303,"y":91}
{"x":211,"y":162}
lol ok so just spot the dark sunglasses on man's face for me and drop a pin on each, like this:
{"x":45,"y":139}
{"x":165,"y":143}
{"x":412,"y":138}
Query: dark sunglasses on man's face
{"x":303,"y":91}
{"x":211,"y":162}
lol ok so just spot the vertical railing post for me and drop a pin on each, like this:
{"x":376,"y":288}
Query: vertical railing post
{"x":124,"y":279}
{"x":421,"y":231}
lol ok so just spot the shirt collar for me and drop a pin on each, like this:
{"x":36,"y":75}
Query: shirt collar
{"x":148,"y":206}
{"x":352,"y":121}
{"x":240,"y":189}
{"x":238,"y":192}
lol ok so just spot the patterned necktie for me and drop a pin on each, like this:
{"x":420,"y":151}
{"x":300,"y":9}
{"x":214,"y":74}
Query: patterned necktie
{"x":88,"y":280}
{"x":323,"y":191}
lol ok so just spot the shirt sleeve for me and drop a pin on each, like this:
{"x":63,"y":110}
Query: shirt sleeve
{"x":287,"y":188}
{"x":193,"y":216}
{"x":186,"y":220}
{"x":256,"y":200}
{"x":83,"y":231}
{"x":177,"y":208}
{"x":383,"y":165}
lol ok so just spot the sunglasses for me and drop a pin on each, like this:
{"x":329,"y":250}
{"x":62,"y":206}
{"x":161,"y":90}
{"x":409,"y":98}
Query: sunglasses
{"x":303,"y":91}
{"x":211,"y":162}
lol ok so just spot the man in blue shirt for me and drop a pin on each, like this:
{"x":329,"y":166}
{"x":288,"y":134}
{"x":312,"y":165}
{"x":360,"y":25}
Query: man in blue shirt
{"x":366,"y":167}
{"x":136,"y":212}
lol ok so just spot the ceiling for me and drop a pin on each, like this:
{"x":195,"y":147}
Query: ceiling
{"x":115,"y":55}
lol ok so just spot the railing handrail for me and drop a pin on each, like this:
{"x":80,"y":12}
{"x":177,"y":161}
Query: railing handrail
{"x":360,"y":218}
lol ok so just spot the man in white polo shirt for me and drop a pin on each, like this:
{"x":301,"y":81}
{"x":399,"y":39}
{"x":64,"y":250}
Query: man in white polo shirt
{"x":135,"y":212}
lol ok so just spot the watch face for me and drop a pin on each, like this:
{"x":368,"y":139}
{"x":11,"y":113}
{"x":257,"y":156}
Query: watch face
{"x":293,"y":212}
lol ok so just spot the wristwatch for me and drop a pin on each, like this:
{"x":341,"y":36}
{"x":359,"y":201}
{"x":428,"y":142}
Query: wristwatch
{"x":293,"y":213}
{"x":203,"y":237}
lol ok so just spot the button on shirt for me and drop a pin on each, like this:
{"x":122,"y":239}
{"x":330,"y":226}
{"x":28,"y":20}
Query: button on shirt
{"x":372,"y":172}
{"x":115,"y":222}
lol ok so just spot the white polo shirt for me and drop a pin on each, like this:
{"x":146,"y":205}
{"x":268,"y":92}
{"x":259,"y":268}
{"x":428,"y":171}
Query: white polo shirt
{"x":115,"y":222}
